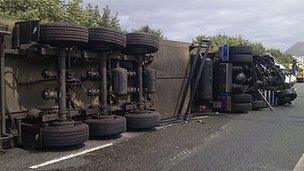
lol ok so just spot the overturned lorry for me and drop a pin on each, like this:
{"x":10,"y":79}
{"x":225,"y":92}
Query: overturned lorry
{"x":63,"y":83}
{"x":69,"y":83}
{"x":237,"y":79}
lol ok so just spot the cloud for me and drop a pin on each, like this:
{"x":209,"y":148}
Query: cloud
{"x":277,"y":24}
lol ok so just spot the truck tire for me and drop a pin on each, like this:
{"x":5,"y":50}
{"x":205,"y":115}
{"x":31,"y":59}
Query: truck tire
{"x":240,"y":50}
{"x":240,"y":78}
{"x":142,"y":43}
{"x":286,"y":96}
{"x":241,"y":58}
{"x":241,"y":107}
{"x":105,"y":39}
{"x":62,"y":34}
{"x":65,"y":135}
{"x":146,"y":120}
{"x":258,"y":104}
{"x":106,"y":127}
{"x":242,"y":98}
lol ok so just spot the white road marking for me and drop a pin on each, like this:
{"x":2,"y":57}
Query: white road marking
{"x":163,"y":127}
{"x":189,"y":152}
{"x":70,"y":156}
{"x":300,"y":164}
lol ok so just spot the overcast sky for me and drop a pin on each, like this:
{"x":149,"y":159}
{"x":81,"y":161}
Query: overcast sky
{"x":276,"y":23}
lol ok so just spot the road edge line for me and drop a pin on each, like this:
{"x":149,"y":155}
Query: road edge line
{"x":70,"y":156}
{"x":300,"y":165}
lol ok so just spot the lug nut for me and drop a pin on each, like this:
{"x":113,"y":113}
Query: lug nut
{"x":93,"y":74}
{"x":49,"y":94}
{"x":48,"y":74}
{"x":93,"y":92}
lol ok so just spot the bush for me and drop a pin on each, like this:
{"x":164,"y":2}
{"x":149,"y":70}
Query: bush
{"x":58,"y":10}
{"x":237,"y":40}
{"x":148,"y":29}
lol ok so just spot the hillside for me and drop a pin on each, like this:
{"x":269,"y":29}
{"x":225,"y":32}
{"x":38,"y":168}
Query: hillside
{"x":297,"y":49}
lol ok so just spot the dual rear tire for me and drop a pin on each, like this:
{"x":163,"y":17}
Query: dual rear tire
{"x":62,"y":34}
{"x":142,"y":43}
{"x":140,"y":121}
{"x":106,"y":127}
{"x":241,"y":103}
{"x":65,"y":135}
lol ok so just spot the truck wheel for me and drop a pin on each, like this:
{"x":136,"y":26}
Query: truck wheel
{"x":259,"y":104}
{"x":286,"y":96}
{"x":142,"y":43}
{"x":65,"y":135}
{"x":146,"y":120}
{"x":242,"y":98}
{"x":106,"y":127}
{"x":240,"y":78}
{"x":241,"y":58}
{"x":240,"y":50}
{"x":105,"y":39}
{"x":241,"y":107}
{"x":62,"y":34}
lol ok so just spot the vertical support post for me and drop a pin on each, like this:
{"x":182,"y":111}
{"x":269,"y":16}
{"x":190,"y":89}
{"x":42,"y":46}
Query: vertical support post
{"x":140,"y":83}
{"x":69,"y":73}
{"x":2,"y":91}
{"x":2,"y":87}
{"x":62,"y":84}
{"x":103,"y":97}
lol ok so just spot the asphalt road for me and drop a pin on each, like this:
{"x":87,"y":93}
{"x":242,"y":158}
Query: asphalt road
{"x":261,"y":140}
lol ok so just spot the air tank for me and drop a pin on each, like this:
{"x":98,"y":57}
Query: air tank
{"x":150,"y":80}
{"x":120,"y":81}
{"x":204,"y":89}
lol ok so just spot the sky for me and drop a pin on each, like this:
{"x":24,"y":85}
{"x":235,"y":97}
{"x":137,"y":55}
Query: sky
{"x":275,"y":23}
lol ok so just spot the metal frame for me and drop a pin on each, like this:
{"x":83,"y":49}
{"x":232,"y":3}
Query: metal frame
{"x":198,"y":78}
{"x":103,"y":97}
{"x":62,"y":84}
{"x":139,"y":75}
{"x":2,"y":87}
{"x":190,"y":77}
{"x":186,"y":83}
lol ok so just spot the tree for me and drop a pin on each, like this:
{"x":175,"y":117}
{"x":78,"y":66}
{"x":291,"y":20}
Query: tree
{"x":147,"y":29}
{"x":237,"y":40}
{"x":281,"y":57}
{"x":223,"y":39}
{"x":58,"y":10}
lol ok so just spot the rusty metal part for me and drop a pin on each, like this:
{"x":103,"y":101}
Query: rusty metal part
{"x":103,"y":85}
{"x":149,"y":81}
{"x":140,"y":104}
{"x":62,"y":84}
{"x":120,"y":81}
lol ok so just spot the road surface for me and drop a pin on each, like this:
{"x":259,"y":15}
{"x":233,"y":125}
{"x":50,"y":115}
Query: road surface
{"x":261,"y":140}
